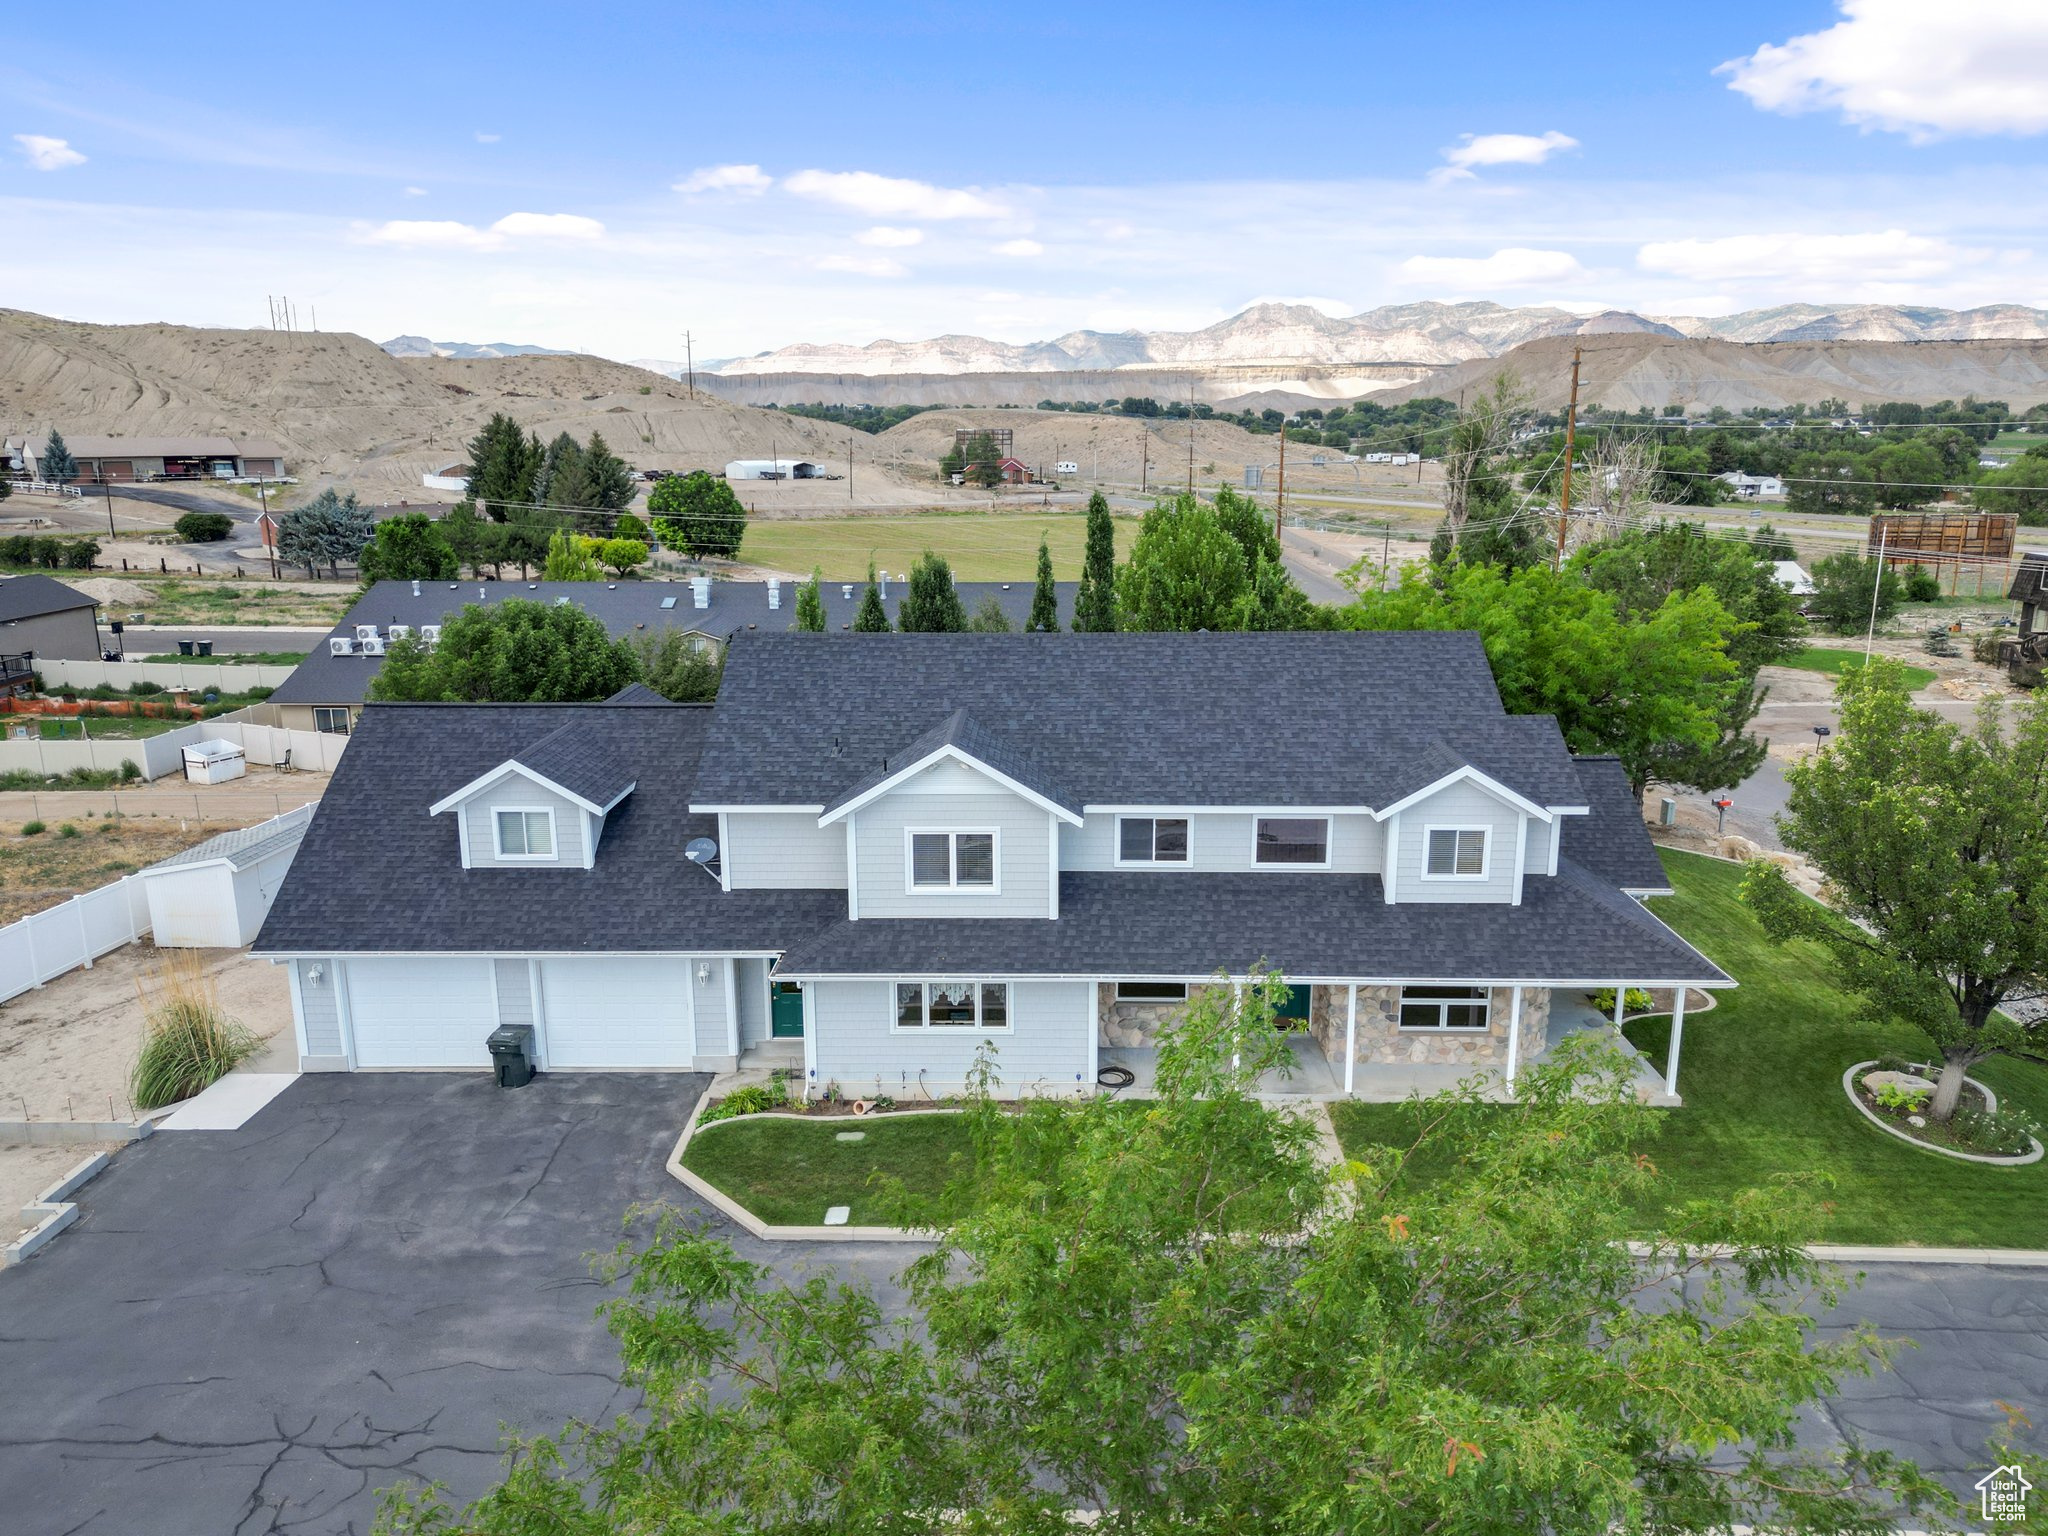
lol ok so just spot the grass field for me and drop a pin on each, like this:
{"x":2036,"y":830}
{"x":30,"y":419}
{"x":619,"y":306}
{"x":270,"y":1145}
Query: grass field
{"x":789,"y":1172}
{"x":1762,"y":1080}
{"x":1833,"y":662}
{"x":979,"y":546}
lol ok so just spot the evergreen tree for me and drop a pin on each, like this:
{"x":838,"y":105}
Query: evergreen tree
{"x":327,"y":530}
{"x":873,"y":618}
{"x":931,"y":604}
{"x":810,"y":603}
{"x":57,"y":466}
{"x":607,"y":482}
{"x":1095,"y":603}
{"x":1045,"y":602}
{"x":503,"y":465}
{"x":559,"y":480}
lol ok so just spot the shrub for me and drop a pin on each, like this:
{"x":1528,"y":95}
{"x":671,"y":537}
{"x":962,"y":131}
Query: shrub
{"x":145,"y":689}
{"x":753,"y":1099}
{"x":2002,"y":1133}
{"x":1922,"y":585}
{"x":1896,"y":1096}
{"x":31,"y":828}
{"x":130,"y":770}
{"x":1638,"y":1001}
{"x":1938,"y":642}
{"x":190,"y":1043}
{"x":204,"y":527}
{"x":1985,"y":649}
{"x":67,"y":830}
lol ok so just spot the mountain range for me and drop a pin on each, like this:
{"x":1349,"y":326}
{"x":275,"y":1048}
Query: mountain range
{"x":420,"y":346}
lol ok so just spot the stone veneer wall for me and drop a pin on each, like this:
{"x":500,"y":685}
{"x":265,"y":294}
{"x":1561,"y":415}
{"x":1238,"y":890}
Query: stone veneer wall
{"x":1134,"y":1025}
{"x":1380,"y":1040}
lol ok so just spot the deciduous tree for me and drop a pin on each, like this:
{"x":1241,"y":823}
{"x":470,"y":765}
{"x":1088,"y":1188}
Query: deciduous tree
{"x":1934,"y":842}
{"x":810,"y":603}
{"x":1095,"y":601}
{"x":872,"y":618}
{"x":1045,"y":598}
{"x":1844,"y":587}
{"x":698,"y":514}
{"x":931,"y":604}
{"x":410,"y":547}
{"x":679,"y":667}
{"x":514,"y":652}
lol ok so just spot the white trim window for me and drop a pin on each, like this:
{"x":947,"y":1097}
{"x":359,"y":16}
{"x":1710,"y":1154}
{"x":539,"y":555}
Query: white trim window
{"x":524,"y":832}
{"x":1441,"y":1009}
{"x":953,"y":1005}
{"x":330,"y":720}
{"x":1151,"y":991}
{"x":1148,"y":840}
{"x":950,"y":861}
{"x":1456,"y":853}
{"x":1298,"y":842}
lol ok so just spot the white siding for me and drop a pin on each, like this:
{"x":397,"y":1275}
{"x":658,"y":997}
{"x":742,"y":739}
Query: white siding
{"x":515,"y":991}
{"x":523,"y":793}
{"x":1046,"y":1050}
{"x":1460,"y":805}
{"x":1219,"y":842}
{"x":952,"y":797}
{"x":617,"y":1013}
{"x":419,"y":1012}
{"x":1537,"y":860}
{"x":788,"y":850}
{"x":714,"y":1043}
{"x":751,"y":986}
{"x":319,"y":1013}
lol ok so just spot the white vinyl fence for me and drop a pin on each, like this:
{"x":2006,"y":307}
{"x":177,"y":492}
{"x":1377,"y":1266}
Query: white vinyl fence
{"x":40,"y":948}
{"x":158,"y":756}
{"x":227,"y":676}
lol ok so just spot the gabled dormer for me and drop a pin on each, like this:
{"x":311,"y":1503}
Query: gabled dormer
{"x":544,"y":807}
{"x":1461,"y":835}
{"x":961,"y":822}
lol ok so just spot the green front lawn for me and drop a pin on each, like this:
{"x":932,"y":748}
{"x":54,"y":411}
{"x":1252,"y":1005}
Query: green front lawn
{"x":1761,"y":1075}
{"x":789,"y":1172}
{"x":1833,"y":661}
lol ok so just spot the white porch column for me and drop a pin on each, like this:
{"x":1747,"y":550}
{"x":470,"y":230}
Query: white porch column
{"x":1514,"y":1036}
{"x":1094,"y":1038}
{"x":1350,"y":1035}
{"x":1237,"y":1022}
{"x":1677,"y":1034}
{"x":1620,"y":1001}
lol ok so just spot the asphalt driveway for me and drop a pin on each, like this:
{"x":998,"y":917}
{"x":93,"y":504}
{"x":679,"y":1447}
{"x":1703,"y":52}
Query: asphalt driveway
{"x":258,"y":1330}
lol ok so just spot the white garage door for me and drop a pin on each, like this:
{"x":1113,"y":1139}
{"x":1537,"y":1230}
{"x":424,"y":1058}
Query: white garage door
{"x":616,"y":1013}
{"x":421,"y":1013}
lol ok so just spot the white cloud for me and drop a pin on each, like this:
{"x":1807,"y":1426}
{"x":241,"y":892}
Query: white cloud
{"x":449,"y":234}
{"x":549,"y":226}
{"x":881,"y":197}
{"x":1799,"y":261}
{"x":46,"y":153}
{"x":746,"y":180}
{"x":862,"y":266}
{"x":1020,"y":247}
{"x":1499,"y":149}
{"x":415,"y":192}
{"x":1963,"y":67}
{"x":487,"y":138}
{"x":891,"y":236}
{"x":1513,"y":267}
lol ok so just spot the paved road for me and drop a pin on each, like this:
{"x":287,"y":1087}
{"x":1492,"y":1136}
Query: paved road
{"x":255,"y":1331}
{"x":162,"y":639}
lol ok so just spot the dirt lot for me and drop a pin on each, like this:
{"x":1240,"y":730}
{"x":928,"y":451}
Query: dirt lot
{"x":26,"y":1172}
{"x":257,"y":796}
{"x":66,"y":1048}
{"x":42,"y":869}
{"x":196,"y":600}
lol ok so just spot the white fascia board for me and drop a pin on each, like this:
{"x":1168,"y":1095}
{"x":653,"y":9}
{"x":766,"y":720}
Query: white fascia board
{"x":947,"y":753}
{"x":1289,"y":977}
{"x":1467,"y":775}
{"x":561,"y":954}
{"x":714,"y":809}
{"x":504,"y":770}
{"x":1227,"y":810}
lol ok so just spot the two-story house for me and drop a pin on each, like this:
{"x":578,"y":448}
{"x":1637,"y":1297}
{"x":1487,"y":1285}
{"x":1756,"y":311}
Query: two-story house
{"x":925,"y":842}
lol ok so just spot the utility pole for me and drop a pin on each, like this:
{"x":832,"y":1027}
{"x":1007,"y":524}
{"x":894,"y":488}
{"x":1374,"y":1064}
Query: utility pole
{"x":1191,"y":438}
{"x":1571,"y":422}
{"x":1280,"y":500}
{"x":849,"y":466}
{"x":1144,"y":460}
{"x":1884,"y":532}
{"x":108,"y":486}
{"x":690,"y":363}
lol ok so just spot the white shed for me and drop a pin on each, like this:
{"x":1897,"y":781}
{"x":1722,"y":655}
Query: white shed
{"x":1793,"y":577}
{"x":215,"y":896}
{"x":214,"y":762}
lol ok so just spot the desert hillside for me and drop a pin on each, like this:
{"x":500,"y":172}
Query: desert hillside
{"x":1626,"y":372}
{"x":345,"y":410}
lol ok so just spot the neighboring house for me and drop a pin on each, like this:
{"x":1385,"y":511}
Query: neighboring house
{"x":1793,"y":577}
{"x":326,"y":693}
{"x":41,"y":616}
{"x":933,"y":841}
{"x":120,"y":459}
{"x":1014,"y":471}
{"x":1753,"y":487}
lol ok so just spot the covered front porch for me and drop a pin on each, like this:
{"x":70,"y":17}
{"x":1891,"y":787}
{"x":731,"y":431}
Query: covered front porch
{"x":1383,"y":1043}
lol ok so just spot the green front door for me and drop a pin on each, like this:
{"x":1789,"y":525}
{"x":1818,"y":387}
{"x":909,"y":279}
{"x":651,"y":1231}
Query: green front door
{"x":1293,"y":1014}
{"x":786,"y":1010}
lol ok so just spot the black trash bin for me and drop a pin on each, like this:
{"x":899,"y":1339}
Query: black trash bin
{"x":203,"y":647}
{"x":512,"y":1054}
{"x":184,"y":647}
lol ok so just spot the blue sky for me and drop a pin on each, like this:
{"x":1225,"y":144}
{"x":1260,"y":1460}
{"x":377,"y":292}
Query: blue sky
{"x":603,"y":177}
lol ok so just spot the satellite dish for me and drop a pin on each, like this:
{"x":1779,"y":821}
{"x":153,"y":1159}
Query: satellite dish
{"x":700,"y":850}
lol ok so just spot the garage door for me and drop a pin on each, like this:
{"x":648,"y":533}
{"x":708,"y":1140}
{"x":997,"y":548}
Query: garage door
{"x":616,"y":1013}
{"x":421,"y":1013}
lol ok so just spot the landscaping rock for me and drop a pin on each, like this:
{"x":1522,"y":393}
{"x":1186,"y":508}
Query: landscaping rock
{"x":1912,"y":1082}
{"x":850,"y":1136}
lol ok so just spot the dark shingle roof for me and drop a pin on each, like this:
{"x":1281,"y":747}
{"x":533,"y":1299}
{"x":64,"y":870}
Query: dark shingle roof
{"x":1156,"y":719}
{"x":376,"y":873}
{"x":28,"y":597}
{"x":626,"y":607}
{"x":1612,"y":842}
{"x":962,"y":730}
{"x":1188,"y":925}
{"x":579,"y":756}
{"x":636,"y":693}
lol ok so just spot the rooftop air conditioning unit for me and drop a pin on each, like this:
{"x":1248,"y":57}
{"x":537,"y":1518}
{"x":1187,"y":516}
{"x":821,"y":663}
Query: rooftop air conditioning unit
{"x":366,"y":631}
{"x":430,"y":634}
{"x":374,"y":646}
{"x":340,"y":645}
{"x":397,"y":631}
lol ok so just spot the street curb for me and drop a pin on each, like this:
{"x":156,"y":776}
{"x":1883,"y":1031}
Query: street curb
{"x":1852,"y":1253}
{"x":50,"y":1212}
